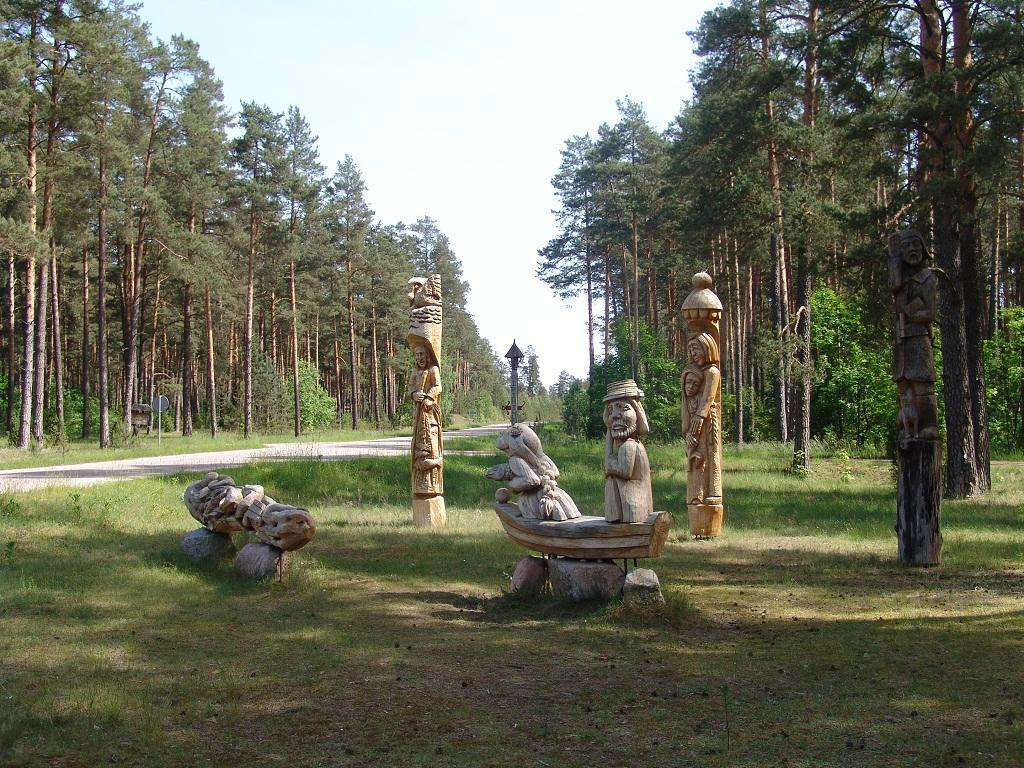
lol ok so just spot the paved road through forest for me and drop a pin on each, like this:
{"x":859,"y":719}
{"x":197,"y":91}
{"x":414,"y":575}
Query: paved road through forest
{"x":94,"y":473}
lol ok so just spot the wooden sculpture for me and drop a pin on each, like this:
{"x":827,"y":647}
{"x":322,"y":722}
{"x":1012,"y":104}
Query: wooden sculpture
{"x":425,"y":391}
{"x":702,"y":409}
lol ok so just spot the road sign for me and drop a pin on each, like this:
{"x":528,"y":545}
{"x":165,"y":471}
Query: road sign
{"x":161,"y":403}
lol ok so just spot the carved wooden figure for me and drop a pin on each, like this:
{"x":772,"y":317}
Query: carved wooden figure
{"x":702,"y":409}
{"x":425,"y":391}
{"x":533,"y":476}
{"x":919,"y":487}
{"x":627,"y":471}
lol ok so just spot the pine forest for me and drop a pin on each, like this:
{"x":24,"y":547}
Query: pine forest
{"x":158,"y":242}
{"x":816,"y":130}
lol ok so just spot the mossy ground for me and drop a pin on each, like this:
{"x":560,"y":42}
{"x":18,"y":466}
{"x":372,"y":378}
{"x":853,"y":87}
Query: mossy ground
{"x":794,"y":639}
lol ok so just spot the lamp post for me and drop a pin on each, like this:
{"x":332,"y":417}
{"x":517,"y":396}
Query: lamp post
{"x":514,"y":357}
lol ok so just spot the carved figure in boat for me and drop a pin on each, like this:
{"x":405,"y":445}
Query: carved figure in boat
{"x":544,"y":517}
{"x":531,"y":474}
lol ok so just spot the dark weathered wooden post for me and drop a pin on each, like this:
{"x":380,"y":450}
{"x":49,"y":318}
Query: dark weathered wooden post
{"x":514,"y":357}
{"x":919,"y":487}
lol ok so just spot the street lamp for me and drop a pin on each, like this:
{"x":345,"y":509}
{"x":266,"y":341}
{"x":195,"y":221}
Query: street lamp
{"x":514,"y":357}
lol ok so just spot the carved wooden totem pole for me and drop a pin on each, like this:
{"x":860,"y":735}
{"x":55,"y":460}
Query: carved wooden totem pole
{"x":702,"y":409}
{"x":425,"y":390}
{"x":919,"y":496}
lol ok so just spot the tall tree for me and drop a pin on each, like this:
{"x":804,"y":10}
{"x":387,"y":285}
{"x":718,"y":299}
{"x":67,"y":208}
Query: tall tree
{"x":348,"y":221}
{"x":258,"y":155}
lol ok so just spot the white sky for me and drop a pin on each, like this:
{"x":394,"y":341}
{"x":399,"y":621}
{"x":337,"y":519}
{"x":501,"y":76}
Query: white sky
{"x":456,"y":109}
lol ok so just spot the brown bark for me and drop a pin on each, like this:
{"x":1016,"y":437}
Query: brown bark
{"x":58,"y":346}
{"x":937,"y":158}
{"x":295,"y":349}
{"x":28,"y":326}
{"x":85,"y":372}
{"x":186,"y":360}
{"x":247,"y":329}
{"x":971,"y":271}
{"x":12,"y":357}
{"x":28,"y":353}
{"x":101,"y":313}
{"x":39,"y":379}
{"x":337,"y":372}
{"x":211,"y":367}
{"x":352,"y":364}
{"x":802,"y":387}
{"x":374,"y":367}
{"x":996,"y":282}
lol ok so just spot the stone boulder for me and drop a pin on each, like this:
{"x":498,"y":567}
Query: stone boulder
{"x":203,"y":546}
{"x":579,"y":580}
{"x":257,"y":561}
{"x":529,"y":577}
{"x":642,"y":586}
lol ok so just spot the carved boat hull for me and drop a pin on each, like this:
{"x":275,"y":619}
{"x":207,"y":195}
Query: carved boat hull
{"x":587,"y":537}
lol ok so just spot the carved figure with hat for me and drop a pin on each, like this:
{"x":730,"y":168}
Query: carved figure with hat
{"x":627,"y":470}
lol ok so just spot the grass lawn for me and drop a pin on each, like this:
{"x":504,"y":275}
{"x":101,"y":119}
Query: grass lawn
{"x":794,"y":639}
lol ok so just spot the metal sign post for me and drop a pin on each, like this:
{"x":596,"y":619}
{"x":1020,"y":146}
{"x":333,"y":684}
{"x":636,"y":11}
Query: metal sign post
{"x":160,"y":404}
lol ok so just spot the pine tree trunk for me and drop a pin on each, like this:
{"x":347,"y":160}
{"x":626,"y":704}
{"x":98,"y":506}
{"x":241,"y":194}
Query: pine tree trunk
{"x":961,"y":461}
{"x":12,"y":357}
{"x":211,"y":367}
{"x":39,"y":383}
{"x":994,"y":285}
{"x":186,"y":360}
{"x":130,"y":292}
{"x":352,"y":365}
{"x":28,"y":353}
{"x":590,"y":312}
{"x":972,"y":275}
{"x":937,"y":155}
{"x":374,"y":367}
{"x":802,"y":388}
{"x":101,"y":313}
{"x":247,"y":339}
{"x":337,"y":372}
{"x":295,"y":349}
{"x":740,"y":344}
{"x":58,"y":347}
{"x":779,"y":331}
{"x":278,"y":367}
{"x":85,"y":373}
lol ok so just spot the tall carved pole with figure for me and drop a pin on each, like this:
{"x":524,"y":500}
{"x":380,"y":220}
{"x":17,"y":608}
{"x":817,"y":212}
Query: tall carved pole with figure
{"x":919,"y":488}
{"x":702,"y":409}
{"x":425,"y":391}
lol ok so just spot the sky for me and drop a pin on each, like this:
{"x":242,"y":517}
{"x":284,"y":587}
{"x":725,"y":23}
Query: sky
{"x":457,"y":110}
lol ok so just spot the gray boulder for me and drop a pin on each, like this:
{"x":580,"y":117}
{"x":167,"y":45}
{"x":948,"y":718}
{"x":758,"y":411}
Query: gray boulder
{"x":203,"y":546}
{"x":642,"y":586}
{"x":579,"y":580}
{"x":257,"y":560}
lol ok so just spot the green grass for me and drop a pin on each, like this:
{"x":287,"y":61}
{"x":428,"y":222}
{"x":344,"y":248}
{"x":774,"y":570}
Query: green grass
{"x":794,"y":639}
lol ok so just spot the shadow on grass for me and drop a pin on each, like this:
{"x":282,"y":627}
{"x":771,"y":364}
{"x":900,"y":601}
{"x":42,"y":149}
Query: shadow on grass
{"x":390,"y":643}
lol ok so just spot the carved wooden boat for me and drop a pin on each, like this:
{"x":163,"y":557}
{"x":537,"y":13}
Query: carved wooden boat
{"x":587,"y":537}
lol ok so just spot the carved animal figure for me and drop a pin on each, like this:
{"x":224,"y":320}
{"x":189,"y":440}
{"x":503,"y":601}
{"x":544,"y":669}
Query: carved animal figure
{"x":222,"y":507}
